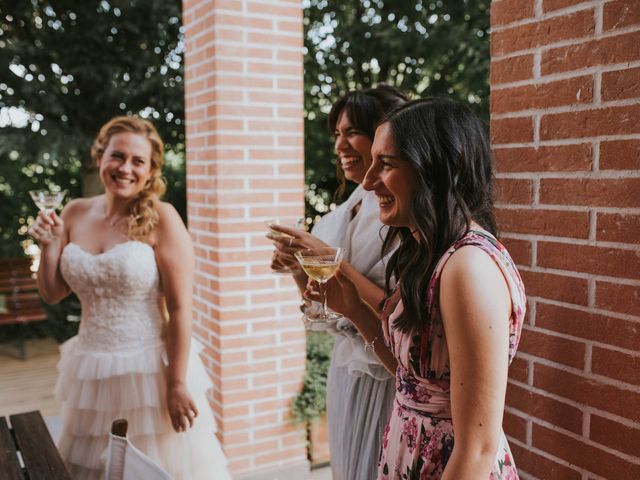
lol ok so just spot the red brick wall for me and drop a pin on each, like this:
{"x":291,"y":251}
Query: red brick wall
{"x":244,"y":165}
{"x":565,"y":128}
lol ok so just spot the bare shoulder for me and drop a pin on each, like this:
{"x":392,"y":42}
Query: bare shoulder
{"x":170,"y":224}
{"x":472,"y":278}
{"x":77,"y":208}
{"x":168,"y":215}
{"x":471,"y":264}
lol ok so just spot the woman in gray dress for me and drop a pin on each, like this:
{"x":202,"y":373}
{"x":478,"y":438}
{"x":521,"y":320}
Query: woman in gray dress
{"x":360,"y":391}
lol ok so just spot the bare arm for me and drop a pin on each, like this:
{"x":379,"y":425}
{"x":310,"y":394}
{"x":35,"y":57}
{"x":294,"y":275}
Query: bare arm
{"x":51,"y":233}
{"x":174,"y":253}
{"x":475,"y":306}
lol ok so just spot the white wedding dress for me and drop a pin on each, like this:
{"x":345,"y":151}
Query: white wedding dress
{"x":115,"y":368}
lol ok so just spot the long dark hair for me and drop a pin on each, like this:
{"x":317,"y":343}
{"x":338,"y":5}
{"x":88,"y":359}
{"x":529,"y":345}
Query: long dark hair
{"x":365,"y":109}
{"x":446,"y":144}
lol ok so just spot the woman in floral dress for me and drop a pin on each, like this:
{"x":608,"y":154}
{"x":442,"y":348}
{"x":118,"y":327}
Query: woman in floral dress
{"x":451,"y":325}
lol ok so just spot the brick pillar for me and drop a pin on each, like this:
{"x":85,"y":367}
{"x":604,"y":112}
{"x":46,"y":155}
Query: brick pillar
{"x":565,"y":128}
{"x":244,"y":124}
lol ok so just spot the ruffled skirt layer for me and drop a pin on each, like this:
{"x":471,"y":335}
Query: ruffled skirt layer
{"x":358,"y":407}
{"x":97,"y":388}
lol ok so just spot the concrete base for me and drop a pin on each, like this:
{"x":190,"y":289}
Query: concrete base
{"x":286,"y":472}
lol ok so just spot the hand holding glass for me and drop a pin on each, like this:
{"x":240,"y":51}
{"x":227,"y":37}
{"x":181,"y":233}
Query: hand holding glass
{"x":321,"y":264}
{"x":47,"y":202}
{"x":299,"y":223}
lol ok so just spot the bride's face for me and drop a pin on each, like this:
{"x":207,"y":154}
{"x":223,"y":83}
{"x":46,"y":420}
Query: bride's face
{"x":125,"y":165}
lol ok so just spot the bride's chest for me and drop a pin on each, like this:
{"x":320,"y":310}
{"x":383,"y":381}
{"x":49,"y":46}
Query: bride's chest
{"x":128,"y":269}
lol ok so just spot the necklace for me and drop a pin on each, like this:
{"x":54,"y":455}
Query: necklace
{"x":113,"y":223}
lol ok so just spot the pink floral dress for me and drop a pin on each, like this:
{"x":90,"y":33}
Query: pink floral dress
{"x":419,"y":437}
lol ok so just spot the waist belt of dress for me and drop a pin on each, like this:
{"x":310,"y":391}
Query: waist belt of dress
{"x":428,"y":410}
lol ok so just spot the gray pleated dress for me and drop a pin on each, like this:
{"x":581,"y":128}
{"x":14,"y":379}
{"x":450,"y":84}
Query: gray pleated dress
{"x":360,"y":391}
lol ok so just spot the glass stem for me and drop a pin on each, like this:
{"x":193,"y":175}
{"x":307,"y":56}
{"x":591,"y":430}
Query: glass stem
{"x":323,"y":300}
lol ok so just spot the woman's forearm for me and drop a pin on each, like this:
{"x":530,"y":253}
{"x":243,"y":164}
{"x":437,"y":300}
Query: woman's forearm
{"x":51,"y":285}
{"x":178,"y":343}
{"x":368,"y":323}
{"x":368,"y":291}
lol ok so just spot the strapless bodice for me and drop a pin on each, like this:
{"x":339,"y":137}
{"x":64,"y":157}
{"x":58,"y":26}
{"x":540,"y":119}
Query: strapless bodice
{"x":119,"y":292}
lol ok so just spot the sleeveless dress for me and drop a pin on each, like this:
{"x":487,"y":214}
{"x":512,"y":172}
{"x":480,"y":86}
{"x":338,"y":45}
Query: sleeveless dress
{"x":115,"y":368}
{"x":419,"y":438}
{"x":360,"y":390}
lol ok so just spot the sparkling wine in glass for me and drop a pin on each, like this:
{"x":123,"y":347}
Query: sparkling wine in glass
{"x":47,"y":201}
{"x":321,"y":264}
{"x":297,"y":223}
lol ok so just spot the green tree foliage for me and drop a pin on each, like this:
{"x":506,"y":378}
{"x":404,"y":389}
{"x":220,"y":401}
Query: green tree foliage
{"x":66,"y":67}
{"x":423,"y":47}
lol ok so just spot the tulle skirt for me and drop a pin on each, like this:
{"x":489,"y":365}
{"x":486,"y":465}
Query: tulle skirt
{"x":98,"y":387}
{"x":358,"y":407}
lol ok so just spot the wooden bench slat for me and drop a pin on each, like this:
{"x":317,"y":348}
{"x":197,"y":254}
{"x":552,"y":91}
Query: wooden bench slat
{"x":14,"y":263}
{"x":18,"y":319}
{"x":39,"y":453}
{"x":21,"y":283}
{"x":9,"y":466}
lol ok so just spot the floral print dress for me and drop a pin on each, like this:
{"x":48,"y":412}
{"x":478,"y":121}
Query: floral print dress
{"x":419,"y":437}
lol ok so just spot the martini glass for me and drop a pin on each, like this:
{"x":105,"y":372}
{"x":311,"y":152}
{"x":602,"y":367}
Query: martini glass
{"x":298,"y":223}
{"x":321,"y":265}
{"x":47,"y":201}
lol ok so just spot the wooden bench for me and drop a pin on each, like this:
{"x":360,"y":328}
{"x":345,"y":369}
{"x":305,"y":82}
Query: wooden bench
{"x":27,"y":451}
{"x":19,"y":299}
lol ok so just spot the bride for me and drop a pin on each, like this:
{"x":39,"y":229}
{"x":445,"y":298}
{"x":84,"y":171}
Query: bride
{"x":126,"y":254}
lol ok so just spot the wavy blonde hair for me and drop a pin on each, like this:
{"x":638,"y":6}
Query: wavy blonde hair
{"x":143,"y":212}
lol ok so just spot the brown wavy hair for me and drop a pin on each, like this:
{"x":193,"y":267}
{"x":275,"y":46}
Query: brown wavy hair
{"x":143,"y":212}
{"x":447,"y":147}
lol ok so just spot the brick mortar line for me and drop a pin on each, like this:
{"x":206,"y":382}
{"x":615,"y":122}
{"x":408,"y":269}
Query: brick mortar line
{"x":569,"y":75}
{"x":540,"y":16}
{"x":608,"y":174}
{"x":594,"y":343}
{"x":233,"y":88}
{"x":586,"y":376}
{"x":593,"y":230}
{"x":568,"y":108}
{"x":227,"y":74}
{"x":582,"y":308}
{"x":568,"y":208}
{"x":568,"y":141}
{"x":260,"y":375}
{"x":567,"y":42}
{"x":548,"y":456}
{"x":558,"y":13}
{"x":598,"y":17}
{"x":585,"y":408}
{"x":587,"y":441}
{"x":578,"y":241}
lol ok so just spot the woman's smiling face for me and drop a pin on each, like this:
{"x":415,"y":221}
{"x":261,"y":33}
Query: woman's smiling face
{"x":353,"y":148}
{"x":125,"y":165}
{"x":392,"y":179}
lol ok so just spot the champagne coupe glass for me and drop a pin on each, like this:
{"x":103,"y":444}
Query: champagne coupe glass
{"x":297,"y":223}
{"x":321,"y":264}
{"x":46,"y":200}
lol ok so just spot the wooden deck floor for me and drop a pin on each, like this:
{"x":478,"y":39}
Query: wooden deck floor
{"x":27,"y":385}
